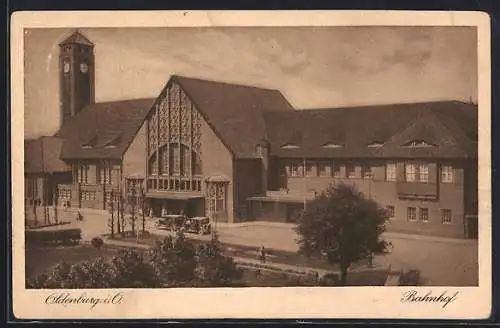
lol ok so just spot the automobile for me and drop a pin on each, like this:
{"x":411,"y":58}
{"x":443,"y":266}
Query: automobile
{"x":171,"y":222}
{"x":200,"y":225}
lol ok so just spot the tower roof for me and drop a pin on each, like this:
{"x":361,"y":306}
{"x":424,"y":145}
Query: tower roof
{"x":77,"y":38}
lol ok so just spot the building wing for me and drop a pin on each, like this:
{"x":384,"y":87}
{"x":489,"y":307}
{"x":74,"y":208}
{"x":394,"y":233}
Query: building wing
{"x":42,"y":155}
{"x":103,"y":130}
{"x":376,"y":131}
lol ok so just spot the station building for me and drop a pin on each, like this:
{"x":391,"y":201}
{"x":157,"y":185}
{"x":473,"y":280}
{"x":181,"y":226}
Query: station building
{"x":242,"y":153}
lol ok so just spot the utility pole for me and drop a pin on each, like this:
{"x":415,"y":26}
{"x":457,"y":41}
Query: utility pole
{"x":304,"y":176}
{"x":370,"y":176}
{"x":142,"y":201}
{"x":112,"y":204}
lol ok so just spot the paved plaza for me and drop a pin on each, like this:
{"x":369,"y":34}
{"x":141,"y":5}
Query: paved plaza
{"x":441,"y":261}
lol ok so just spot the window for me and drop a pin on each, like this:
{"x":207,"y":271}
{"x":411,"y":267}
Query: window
{"x":295,"y":170}
{"x":64,"y":194}
{"x":376,"y":144}
{"x":196,"y":164}
{"x":366,"y":172}
{"x":418,"y":144}
{"x":290,"y":146}
{"x":424,"y":215}
{"x":216,"y":197}
{"x":332,"y":145}
{"x":391,"y":211}
{"x":423,"y":173}
{"x":309,"y":169}
{"x":115,"y":174}
{"x":447,"y":173}
{"x":83,"y":173}
{"x":323,"y":169}
{"x":410,"y":171}
{"x":176,"y":160}
{"x":446,"y":216}
{"x":104,"y":173}
{"x":351,"y":171}
{"x":390,"y":171}
{"x":88,"y":195}
{"x":153,"y":165}
{"x":411,"y":214}
{"x":336,"y":171}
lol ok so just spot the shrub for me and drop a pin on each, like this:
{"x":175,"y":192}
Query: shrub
{"x":126,"y":270}
{"x":97,"y":242}
{"x":329,"y":279}
{"x":58,"y":277}
{"x":131,"y":271}
{"x":174,"y":260}
{"x":213,"y":268}
{"x":410,"y":278}
{"x":91,"y":274}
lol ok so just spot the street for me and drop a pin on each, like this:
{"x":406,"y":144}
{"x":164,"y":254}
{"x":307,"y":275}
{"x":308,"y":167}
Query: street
{"x":441,"y":261}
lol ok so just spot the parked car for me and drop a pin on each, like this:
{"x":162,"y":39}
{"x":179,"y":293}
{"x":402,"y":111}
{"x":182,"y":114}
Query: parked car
{"x":199,"y":225}
{"x":171,"y":222}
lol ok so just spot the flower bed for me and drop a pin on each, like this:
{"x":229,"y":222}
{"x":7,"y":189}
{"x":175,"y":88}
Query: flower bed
{"x":32,"y":226}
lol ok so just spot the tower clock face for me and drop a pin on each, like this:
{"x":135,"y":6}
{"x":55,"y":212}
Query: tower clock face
{"x":66,"y":67}
{"x":84,"y":68}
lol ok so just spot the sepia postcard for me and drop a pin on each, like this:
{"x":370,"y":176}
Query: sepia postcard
{"x":258,"y":164}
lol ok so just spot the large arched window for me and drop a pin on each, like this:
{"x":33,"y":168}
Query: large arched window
{"x":176,"y":160}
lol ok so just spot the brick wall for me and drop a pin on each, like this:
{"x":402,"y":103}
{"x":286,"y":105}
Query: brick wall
{"x":217,"y":160}
{"x":450,"y":196}
{"x":134,"y":159}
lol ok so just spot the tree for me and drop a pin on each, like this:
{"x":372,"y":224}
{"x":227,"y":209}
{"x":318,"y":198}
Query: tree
{"x":174,"y":260}
{"x":344,"y":226}
{"x":214,"y":269}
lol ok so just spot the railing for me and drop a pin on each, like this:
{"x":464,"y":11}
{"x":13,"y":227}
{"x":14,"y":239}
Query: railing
{"x":162,"y":183}
{"x":417,"y":190}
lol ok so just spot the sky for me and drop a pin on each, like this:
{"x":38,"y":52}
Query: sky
{"x":314,"y":67}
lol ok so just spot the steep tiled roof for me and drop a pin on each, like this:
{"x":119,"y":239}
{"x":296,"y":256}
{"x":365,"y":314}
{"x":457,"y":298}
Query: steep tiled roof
{"x":376,"y":131}
{"x":77,"y":38}
{"x":103,"y":130}
{"x":235,"y":111}
{"x":43,"y":155}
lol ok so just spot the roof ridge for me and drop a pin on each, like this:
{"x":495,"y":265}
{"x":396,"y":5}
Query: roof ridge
{"x":380,"y":106}
{"x":175,"y":76}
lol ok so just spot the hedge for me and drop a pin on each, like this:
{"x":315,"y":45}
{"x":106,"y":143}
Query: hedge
{"x":65,"y":236}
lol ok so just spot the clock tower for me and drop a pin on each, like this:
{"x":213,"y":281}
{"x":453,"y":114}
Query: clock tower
{"x":76,"y":61}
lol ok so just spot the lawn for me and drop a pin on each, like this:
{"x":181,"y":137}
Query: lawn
{"x":41,"y":259}
{"x":275,"y":256}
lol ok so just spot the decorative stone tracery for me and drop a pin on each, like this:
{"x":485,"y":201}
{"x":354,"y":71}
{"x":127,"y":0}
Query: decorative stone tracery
{"x":174,"y":142}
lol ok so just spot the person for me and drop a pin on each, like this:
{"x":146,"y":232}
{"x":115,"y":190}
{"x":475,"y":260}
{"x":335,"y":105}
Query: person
{"x":262,"y":254}
{"x":79,"y":216}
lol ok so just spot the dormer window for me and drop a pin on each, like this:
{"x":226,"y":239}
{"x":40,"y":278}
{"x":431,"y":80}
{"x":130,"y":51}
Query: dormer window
{"x":332,"y":145}
{"x":418,"y":144}
{"x":113,"y":143}
{"x":376,"y":144}
{"x":90,"y":143}
{"x":290,"y":146}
